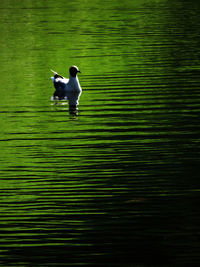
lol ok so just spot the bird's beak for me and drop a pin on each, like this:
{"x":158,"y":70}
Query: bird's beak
{"x":79,"y":71}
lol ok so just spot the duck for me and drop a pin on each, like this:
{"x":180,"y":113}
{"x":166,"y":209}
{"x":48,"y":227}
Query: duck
{"x":67,"y":89}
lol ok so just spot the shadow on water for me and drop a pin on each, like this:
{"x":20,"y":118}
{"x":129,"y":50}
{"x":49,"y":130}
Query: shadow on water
{"x":73,"y":112}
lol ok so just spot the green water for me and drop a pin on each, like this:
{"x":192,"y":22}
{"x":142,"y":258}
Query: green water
{"x":118,"y":184}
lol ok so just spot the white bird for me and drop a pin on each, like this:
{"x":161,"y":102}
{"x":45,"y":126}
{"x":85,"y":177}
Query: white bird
{"x":69,"y":89}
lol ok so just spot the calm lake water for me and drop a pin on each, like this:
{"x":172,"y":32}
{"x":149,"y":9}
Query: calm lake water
{"x":118,"y":184}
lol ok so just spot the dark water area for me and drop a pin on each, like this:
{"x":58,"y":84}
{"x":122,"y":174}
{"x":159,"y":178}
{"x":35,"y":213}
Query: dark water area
{"x":117,"y":184}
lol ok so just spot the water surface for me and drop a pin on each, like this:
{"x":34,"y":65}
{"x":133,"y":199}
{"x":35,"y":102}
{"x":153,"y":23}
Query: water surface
{"x":117,"y":185}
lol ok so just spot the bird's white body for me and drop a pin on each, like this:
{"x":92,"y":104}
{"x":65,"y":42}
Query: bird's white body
{"x":73,"y":90}
{"x":69,"y":89}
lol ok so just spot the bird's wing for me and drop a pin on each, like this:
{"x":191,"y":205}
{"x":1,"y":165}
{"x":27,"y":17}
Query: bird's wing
{"x":56,"y":75}
{"x":60,"y":81}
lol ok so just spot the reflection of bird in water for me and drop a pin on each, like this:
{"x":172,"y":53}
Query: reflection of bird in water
{"x":69,"y":89}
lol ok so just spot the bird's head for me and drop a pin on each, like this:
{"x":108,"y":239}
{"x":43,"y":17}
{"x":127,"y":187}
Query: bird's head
{"x":73,"y":70}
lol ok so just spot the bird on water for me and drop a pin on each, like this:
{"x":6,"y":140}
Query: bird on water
{"x":67,"y":89}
